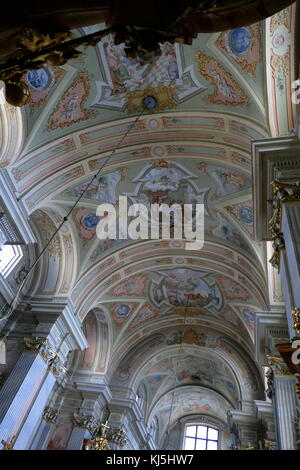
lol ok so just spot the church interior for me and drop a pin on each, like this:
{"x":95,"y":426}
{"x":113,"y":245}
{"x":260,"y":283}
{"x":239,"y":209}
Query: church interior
{"x":145,"y":344}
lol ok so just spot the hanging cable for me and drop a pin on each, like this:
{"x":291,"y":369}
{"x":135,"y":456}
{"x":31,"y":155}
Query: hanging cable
{"x":65,"y":219}
{"x":96,"y":175}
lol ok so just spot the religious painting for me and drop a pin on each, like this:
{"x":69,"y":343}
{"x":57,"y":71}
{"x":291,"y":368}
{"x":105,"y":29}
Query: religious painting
{"x":71,"y":108}
{"x":239,"y":40}
{"x":185,"y":288}
{"x":121,"y":311}
{"x":146,"y":313}
{"x":133,"y":287}
{"x":229,"y":233}
{"x":232,"y":290}
{"x":165,"y":182}
{"x":226,"y":90}
{"x":90,"y":329}
{"x":40,"y":79}
{"x":125,"y":77}
{"x":86,"y":222}
{"x":60,"y":436}
{"x":226,"y":181}
{"x":102,"y":190}
{"x":243,"y":212}
{"x":243,"y":45}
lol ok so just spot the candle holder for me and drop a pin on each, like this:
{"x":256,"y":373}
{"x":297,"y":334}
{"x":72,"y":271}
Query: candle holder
{"x":105,"y":435}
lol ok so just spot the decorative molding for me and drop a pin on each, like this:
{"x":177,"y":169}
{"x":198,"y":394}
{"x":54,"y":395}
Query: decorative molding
{"x":278,"y":365}
{"x":296,"y":324}
{"x":50,"y":414}
{"x":282,"y":192}
{"x":270,"y":329}
{"x":83,"y":421}
{"x":274,"y":159}
{"x":49,"y":355}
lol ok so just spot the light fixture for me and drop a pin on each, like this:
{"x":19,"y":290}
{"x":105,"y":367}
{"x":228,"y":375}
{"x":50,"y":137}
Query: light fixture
{"x":104,"y":436}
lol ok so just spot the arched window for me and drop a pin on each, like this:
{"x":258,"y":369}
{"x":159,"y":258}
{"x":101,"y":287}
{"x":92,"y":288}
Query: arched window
{"x":200,"y":437}
{"x":10,"y":255}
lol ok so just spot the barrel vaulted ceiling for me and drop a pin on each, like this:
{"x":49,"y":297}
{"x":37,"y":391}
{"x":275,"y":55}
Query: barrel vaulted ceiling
{"x":214,"y":98}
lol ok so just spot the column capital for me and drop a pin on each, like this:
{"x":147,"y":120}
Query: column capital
{"x":50,"y":414}
{"x":271,"y":329}
{"x":81,"y":420}
{"x":49,"y":355}
{"x":278,"y":366}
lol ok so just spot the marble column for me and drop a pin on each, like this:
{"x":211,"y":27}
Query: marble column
{"x":26,"y":391}
{"x":285,"y":410}
{"x":84,"y":427}
{"x":41,"y":436}
{"x":284,"y":402}
{"x":290,"y":258}
{"x":18,"y":393}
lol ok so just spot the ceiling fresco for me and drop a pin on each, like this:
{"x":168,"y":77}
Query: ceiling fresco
{"x":158,"y":314}
{"x":220,"y":70}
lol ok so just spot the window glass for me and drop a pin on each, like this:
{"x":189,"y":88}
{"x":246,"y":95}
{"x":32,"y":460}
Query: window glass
{"x":199,"y":437}
{"x":10,"y":255}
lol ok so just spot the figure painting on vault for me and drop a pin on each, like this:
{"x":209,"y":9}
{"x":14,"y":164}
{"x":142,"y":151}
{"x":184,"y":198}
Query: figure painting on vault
{"x":185,"y":288}
{"x":168,"y":183}
{"x":123,"y":75}
{"x":104,"y":189}
{"x":227,"y":181}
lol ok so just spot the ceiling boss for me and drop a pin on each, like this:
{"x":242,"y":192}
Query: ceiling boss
{"x":41,"y":35}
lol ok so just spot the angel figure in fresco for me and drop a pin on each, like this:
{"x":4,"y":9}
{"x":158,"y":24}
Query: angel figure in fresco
{"x":119,"y":72}
{"x":70,"y":107}
{"x":226,"y":89}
